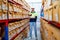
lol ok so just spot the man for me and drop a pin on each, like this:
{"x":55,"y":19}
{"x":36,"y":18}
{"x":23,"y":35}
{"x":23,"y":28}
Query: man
{"x":33,"y":18}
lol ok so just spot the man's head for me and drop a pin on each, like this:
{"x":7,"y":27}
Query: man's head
{"x":33,"y":10}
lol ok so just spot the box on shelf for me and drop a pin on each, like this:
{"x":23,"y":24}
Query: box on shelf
{"x":4,"y":8}
{"x":55,"y":12}
{"x":53,"y":1}
{"x":0,"y":9}
{"x":10,"y":11}
{"x":59,"y":14}
{"x":5,"y":0}
{"x":46,"y":14}
{"x":50,"y":32}
{"x":50,"y":13}
{"x":47,"y":3}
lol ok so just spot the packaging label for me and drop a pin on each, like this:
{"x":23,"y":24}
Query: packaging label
{"x":10,"y":8}
{"x":4,"y":7}
{"x":46,"y":33}
{"x":50,"y":17}
{"x":15,"y":9}
{"x":46,"y":16}
{"x":56,"y":15}
{"x":10,"y":16}
{"x":0,"y":7}
{"x":0,"y":18}
{"x":4,"y":16}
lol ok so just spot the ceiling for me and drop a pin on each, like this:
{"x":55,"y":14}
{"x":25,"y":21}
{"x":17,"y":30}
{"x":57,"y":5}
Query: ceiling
{"x":35,"y":4}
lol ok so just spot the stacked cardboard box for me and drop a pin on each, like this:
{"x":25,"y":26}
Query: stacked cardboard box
{"x":13,"y":11}
{"x":16,"y":15}
{"x":50,"y":13}
{"x":53,"y":10}
{"x":16,"y":27}
{"x":49,"y":32}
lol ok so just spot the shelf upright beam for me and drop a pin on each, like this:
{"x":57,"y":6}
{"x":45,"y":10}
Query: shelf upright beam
{"x":6,"y":30}
{"x":5,"y":36}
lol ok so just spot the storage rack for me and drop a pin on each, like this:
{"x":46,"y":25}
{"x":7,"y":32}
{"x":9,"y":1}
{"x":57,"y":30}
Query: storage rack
{"x":51,"y":12}
{"x":9,"y":19}
{"x":50,"y":24}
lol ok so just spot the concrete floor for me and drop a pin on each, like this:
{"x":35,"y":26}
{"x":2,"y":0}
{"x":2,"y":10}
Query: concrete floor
{"x":33,"y":34}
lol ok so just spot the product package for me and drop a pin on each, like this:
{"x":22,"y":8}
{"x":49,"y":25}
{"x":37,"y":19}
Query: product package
{"x":10,"y":11}
{"x":1,"y":10}
{"x":55,"y":12}
{"x":50,"y":13}
{"x":46,"y":14}
{"x":59,"y":14}
{"x":4,"y":9}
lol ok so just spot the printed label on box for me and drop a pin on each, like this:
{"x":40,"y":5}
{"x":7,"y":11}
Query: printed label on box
{"x":47,"y":16}
{"x":10,"y":8}
{"x":0,"y":7}
{"x":4,"y":7}
{"x":4,"y":16}
{"x":50,"y":17}
{"x":56,"y":16}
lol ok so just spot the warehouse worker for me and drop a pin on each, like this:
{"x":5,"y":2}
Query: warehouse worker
{"x":33,"y":18}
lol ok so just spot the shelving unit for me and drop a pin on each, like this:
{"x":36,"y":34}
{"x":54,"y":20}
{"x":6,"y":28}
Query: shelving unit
{"x":50,"y":24}
{"x":50,"y":30}
{"x":13,"y":18}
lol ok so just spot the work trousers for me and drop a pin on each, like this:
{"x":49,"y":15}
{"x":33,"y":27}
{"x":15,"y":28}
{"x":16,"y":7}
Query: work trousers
{"x":33,"y":25}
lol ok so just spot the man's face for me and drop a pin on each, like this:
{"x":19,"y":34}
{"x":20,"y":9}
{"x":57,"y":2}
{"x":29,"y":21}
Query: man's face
{"x":33,"y":9}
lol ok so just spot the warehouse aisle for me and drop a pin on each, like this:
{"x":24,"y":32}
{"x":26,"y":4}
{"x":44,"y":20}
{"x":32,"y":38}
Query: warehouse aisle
{"x":33,"y":35}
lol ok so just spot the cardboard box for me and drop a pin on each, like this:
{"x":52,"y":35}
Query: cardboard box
{"x":4,"y":8}
{"x":59,"y":14}
{"x":0,"y":9}
{"x":50,"y":13}
{"x":59,"y":11}
{"x":5,"y":1}
{"x":46,"y":14}
{"x":55,"y":12}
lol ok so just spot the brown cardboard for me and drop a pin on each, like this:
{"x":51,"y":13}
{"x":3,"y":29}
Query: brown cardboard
{"x":4,"y":7}
{"x":5,"y":1}
{"x":46,"y":14}
{"x":51,"y":32}
{"x":55,"y":13}
{"x":0,"y":10}
{"x":50,"y":13}
{"x":59,"y":11}
{"x":59,"y":14}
